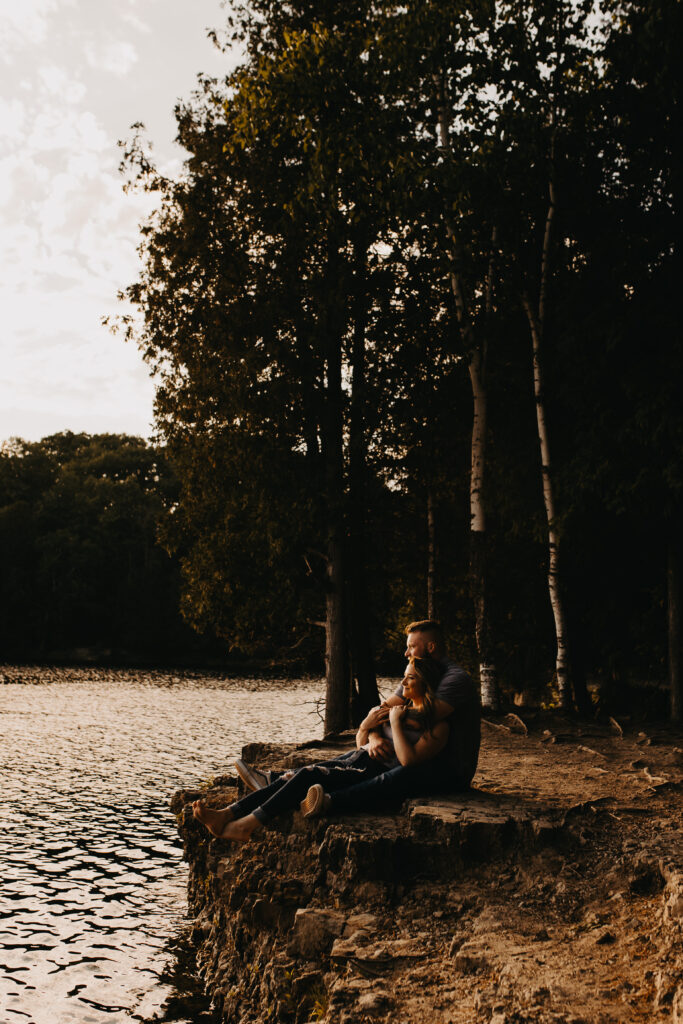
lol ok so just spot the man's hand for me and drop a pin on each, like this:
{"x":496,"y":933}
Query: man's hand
{"x":378,"y":746}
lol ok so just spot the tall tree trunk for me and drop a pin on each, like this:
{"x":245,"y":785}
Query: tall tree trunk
{"x":337,"y":695}
{"x":366,"y":694}
{"x":537,"y":319}
{"x":490,"y":697}
{"x":674,"y":621}
{"x":490,"y":693}
{"x":561,"y":652}
{"x":431,"y":555}
{"x":337,"y":690}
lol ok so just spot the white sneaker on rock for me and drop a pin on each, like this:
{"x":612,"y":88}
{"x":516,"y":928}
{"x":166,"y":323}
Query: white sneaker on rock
{"x":253,"y":778}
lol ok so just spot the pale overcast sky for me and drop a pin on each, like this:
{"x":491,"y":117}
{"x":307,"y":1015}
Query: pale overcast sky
{"x":75,"y":74}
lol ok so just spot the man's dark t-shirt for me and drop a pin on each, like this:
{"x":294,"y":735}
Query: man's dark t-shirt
{"x":459,"y":757}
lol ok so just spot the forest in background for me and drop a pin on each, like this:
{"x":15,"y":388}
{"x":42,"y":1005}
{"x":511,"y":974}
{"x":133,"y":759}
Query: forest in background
{"x":82,"y":573}
{"x":412,"y":307}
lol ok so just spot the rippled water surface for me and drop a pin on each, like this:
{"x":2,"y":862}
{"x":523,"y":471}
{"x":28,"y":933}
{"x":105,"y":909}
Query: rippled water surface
{"x":92,"y":903}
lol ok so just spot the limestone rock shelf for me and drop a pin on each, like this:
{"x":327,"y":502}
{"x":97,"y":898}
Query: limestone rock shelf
{"x":553,"y":892}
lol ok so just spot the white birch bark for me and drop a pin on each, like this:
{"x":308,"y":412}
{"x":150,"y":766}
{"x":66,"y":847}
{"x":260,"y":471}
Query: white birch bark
{"x":556,"y":603}
{"x":536,"y":326}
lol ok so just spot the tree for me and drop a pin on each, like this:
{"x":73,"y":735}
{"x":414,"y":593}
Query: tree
{"x":82,"y":568}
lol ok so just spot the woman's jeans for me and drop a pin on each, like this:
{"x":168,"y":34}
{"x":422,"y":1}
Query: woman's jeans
{"x":285,"y":794}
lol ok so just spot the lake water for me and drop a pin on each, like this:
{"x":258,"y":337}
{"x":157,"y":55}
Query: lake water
{"x":92,"y":899}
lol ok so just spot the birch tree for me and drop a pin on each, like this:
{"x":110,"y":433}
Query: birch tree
{"x":547,"y":56}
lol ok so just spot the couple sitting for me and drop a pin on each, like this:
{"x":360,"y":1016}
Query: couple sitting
{"x":423,"y":739}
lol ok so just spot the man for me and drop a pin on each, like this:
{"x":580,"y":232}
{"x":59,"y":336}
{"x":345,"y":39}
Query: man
{"x":457,"y":701}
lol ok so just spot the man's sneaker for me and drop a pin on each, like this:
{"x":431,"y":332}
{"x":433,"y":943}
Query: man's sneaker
{"x":253,"y":778}
{"x":316,"y":802}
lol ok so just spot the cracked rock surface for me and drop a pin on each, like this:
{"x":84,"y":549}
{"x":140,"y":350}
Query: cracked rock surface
{"x":553,"y":892}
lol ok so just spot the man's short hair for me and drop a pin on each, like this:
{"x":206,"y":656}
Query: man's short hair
{"x":426,"y":626}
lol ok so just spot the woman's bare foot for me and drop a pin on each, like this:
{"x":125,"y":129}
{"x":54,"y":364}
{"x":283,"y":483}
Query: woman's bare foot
{"x":215,"y":819}
{"x":240,"y":831}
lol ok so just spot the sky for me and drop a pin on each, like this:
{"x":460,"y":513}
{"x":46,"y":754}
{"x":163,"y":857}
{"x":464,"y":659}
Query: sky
{"x":74,"y":76}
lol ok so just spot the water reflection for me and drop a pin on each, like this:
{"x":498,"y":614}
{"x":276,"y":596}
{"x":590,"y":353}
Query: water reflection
{"x":93,"y":896}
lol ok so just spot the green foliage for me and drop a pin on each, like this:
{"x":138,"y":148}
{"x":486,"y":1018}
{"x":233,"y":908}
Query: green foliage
{"x":81,"y":567}
{"x":319,"y":205}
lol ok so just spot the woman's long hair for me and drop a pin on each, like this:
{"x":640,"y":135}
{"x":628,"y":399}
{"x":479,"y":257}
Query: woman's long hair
{"x":430,"y":673}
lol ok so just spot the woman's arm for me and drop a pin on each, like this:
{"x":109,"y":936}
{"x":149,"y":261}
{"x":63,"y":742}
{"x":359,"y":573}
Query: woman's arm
{"x":379,"y":746}
{"x":428,"y":745}
{"x":373,"y":720}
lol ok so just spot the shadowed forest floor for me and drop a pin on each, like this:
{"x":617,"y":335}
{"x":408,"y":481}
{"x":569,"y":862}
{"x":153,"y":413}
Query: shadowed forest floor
{"x":553,"y":892}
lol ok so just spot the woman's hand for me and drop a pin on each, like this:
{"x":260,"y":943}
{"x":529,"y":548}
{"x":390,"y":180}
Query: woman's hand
{"x":375,"y":717}
{"x":396,"y":713}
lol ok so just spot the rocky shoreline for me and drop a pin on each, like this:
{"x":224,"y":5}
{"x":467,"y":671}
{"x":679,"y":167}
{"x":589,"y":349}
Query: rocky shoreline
{"x":553,"y":892}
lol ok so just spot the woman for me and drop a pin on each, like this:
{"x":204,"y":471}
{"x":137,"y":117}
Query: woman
{"x":411,"y":728}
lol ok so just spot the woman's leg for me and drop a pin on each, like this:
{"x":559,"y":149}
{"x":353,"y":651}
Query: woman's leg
{"x":217,"y":819}
{"x":332,"y":775}
{"x":256,"y":809}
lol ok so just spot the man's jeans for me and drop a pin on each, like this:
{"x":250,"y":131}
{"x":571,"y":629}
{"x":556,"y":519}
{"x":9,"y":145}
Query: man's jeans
{"x":392,"y":787}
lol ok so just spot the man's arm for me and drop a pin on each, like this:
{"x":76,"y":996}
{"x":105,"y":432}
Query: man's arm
{"x":442,"y":710}
{"x":378,"y":746}
{"x":456,"y":691}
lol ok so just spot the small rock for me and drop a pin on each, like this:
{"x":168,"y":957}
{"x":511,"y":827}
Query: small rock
{"x":606,"y":938}
{"x":516,"y":725}
{"x":359,"y":923}
{"x":590,"y":750}
{"x":375,"y":1002}
{"x":542,"y":935}
{"x":470,"y":959}
{"x":313,"y":932}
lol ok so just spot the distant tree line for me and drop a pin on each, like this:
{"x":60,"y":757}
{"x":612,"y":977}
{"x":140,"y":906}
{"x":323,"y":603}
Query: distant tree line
{"x":81,"y":567}
{"x":413,"y":310}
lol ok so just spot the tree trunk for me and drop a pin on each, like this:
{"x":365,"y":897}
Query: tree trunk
{"x":337,"y":695}
{"x":431,"y":555}
{"x":537,"y":326}
{"x":674,"y":622}
{"x":366,"y":694}
{"x":490,"y":697}
{"x":337,"y":690}
{"x":556,"y":602}
{"x":490,"y":693}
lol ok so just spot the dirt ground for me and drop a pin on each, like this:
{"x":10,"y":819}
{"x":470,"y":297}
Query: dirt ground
{"x":586,"y":929}
{"x":559,"y":899}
